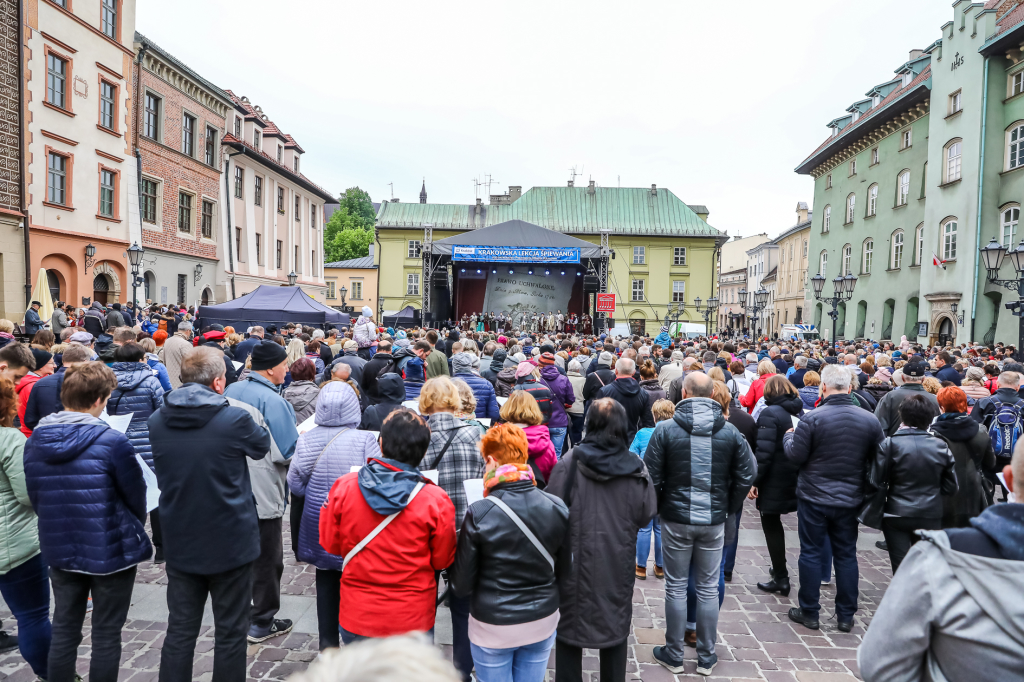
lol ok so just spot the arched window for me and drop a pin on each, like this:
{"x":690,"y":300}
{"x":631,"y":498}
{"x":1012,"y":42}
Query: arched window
{"x":896,"y":262}
{"x":872,"y":199}
{"x":826,"y":221}
{"x":949,"y":239}
{"x":823,"y":263}
{"x":1010,"y":218}
{"x":866,"y":255}
{"x":847,"y":260}
{"x":851,"y":206}
{"x":953,"y":152}
{"x":919,"y":240}
{"x":903,"y":188}
{"x":1015,"y":147}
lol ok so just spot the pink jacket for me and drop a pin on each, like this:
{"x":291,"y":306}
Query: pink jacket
{"x":541,"y":450}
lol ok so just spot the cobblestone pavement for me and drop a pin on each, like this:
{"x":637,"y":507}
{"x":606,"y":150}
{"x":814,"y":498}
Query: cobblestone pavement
{"x":756,"y":641}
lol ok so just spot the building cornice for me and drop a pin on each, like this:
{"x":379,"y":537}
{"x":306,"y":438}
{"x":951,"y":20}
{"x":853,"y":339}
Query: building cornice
{"x":167,"y":71}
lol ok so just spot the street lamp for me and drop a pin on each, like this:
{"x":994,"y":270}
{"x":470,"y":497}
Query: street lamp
{"x":343,"y":291}
{"x":842,"y":291}
{"x":292,"y":278}
{"x":674,"y":316}
{"x":90,"y":252}
{"x":135,"y":253}
{"x":953,"y":307}
{"x":993,"y":255}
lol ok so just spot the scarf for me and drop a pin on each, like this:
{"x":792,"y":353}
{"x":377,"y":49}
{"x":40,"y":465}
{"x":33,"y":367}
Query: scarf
{"x":507,"y":473}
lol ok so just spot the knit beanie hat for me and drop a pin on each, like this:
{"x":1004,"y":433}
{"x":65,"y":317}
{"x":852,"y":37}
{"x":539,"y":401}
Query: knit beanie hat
{"x":267,"y":355}
{"x":546,"y":358}
{"x":524,"y":368}
{"x":414,"y":370}
{"x":41,"y":357}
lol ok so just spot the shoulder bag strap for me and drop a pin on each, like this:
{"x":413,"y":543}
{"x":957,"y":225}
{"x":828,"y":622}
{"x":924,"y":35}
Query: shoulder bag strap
{"x":523,"y":527}
{"x":317,"y":460}
{"x":380,"y":526}
{"x":451,"y":437}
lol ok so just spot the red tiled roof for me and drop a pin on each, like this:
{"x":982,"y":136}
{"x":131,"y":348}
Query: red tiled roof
{"x":890,"y":98}
{"x":270,"y":128}
{"x":271,"y":161}
{"x":1009,"y":20}
{"x":292,"y":143}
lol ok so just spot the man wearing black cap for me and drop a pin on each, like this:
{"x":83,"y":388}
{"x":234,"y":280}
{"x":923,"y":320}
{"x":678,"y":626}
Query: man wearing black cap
{"x":888,"y":409}
{"x":33,"y":322}
{"x":261,"y":389}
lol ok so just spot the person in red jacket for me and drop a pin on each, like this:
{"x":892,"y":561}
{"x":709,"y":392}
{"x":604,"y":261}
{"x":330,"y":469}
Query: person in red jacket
{"x":388,"y":586}
{"x":765,"y":369}
{"x":44,"y":368}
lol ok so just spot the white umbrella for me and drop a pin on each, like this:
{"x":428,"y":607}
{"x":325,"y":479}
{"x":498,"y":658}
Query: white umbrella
{"x":41,"y":293}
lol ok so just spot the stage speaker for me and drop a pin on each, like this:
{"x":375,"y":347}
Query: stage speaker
{"x":440,"y":277}
{"x":591,"y":284}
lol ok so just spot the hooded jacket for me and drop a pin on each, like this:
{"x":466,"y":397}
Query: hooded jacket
{"x":19,"y":528}
{"x":388,"y":588}
{"x":636,"y":401}
{"x":973,"y":455}
{"x":301,"y":395}
{"x":364,"y":332}
{"x":809,"y":396}
{"x":695,"y":452}
{"x":95,"y":321}
{"x":339,"y":447}
{"x":140,"y":394}
{"x":378,"y":366}
{"x":392,"y":394}
{"x":951,"y":609}
{"x":610,"y":497}
{"x":776,"y":475}
{"x":201,"y":449}
{"x":44,"y":399}
{"x":888,"y":408}
{"x":505,"y":382}
{"x":562,"y":395}
{"x":87,"y":489}
{"x":414,"y":376}
{"x":277,"y":411}
{"x":496,"y":365}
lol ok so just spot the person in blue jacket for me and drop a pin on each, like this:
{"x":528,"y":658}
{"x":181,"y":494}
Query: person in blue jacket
{"x":87,"y":489}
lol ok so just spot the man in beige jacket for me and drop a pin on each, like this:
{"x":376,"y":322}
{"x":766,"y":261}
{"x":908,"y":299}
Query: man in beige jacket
{"x":174,"y":351}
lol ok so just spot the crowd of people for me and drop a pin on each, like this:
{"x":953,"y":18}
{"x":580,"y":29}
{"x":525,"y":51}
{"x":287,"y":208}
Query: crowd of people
{"x":519,"y":477}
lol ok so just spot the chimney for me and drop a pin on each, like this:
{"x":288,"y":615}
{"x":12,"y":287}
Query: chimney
{"x":915,"y":54}
{"x":479,"y":206}
{"x":395,"y":200}
{"x":515,"y":191}
{"x":591,"y":188}
{"x":572,"y":184}
{"x":654,"y":189}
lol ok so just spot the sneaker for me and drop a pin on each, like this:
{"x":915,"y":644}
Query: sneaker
{"x":882,"y":545}
{"x":796,"y":614}
{"x":88,"y":606}
{"x":675,"y":667}
{"x":641,"y":572}
{"x":7,"y":642}
{"x":659,"y":572}
{"x":278,"y":627}
{"x":728,"y":576}
{"x":705,"y":669}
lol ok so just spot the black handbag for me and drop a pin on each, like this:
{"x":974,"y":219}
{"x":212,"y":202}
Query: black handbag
{"x":873,"y":509}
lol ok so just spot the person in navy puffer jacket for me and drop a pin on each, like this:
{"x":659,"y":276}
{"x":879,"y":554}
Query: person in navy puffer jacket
{"x":323,"y":455}
{"x":140,"y":394}
{"x":486,"y":404}
{"x":86,"y":487}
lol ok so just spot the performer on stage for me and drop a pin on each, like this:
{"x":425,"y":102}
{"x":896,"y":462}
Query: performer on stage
{"x":464,"y":323}
{"x":586,"y":324}
{"x":560,"y":322}
{"x":570,"y":325}
{"x":550,"y":323}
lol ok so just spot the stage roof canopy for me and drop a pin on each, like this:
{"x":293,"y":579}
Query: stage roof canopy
{"x":516,"y":234}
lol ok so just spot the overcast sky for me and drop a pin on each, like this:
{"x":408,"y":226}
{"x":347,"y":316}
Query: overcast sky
{"x":718,"y":102}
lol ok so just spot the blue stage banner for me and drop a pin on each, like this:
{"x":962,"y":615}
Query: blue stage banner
{"x":506,"y":254}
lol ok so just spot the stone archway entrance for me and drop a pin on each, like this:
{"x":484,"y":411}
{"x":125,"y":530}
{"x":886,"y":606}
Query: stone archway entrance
{"x":106,"y":286}
{"x":944,"y":326}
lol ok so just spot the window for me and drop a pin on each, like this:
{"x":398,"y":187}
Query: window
{"x":828,"y":181}
{"x":238,"y":127}
{"x":239,"y":181}
{"x":257,"y":139}
{"x":211,"y":146}
{"x":1011,"y":217}
{"x":949,"y":240}
{"x":826,"y":221}
{"x":679,"y":255}
{"x":258,"y":191}
{"x":107,"y":190}
{"x":295,"y":162}
{"x":108,"y":18}
{"x":280,"y":199}
{"x":298,"y":201}
{"x":954,"y":103}
{"x":188,"y":134}
{"x":182,"y":285}
{"x":638,"y":290}
{"x":56,"y":80}
{"x":207,"y":219}
{"x":851,"y":206}
{"x":919,"y":236}
{"x":412,"y":285}
{"x":897,"y":250}
{"x":331,"y":290}
{"x":1016,"y":150}
{"x":357,"y":291}
{"x":280,"y":153}
{"x":903,"y":188}
{"x":853,"y":166}
{"x":822,"y":263}
{"x":64,"y":4}
{"x":953,"y":153}
{"x":847,"y":258}
{"x":298,"y":265}
{"x":184,"y":212}
{"x":108,"y":99}
{"x":56,"y":179}
{"x":312,"y":216}
{"x":259,"y":251}
{"x":415,"y":248}
{"x":639,"y":255}
{"x":874,"y":156}
{"x":906,"y":138}
{"x":678,"y":291}
{"x":1017,"y":83}
{"x":148,"y":201}
{"x":151,"y":122}
{"x":866,"y":254}
{"x":805,"y":248}
{"x":872,"y":200}
{"x":238,"y":243}
{"x":277,"y":255}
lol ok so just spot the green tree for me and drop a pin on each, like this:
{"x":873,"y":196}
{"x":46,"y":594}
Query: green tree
{"x":349,"y":232}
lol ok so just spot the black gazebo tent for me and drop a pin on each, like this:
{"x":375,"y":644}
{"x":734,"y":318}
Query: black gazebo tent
{"x":271,"y":305}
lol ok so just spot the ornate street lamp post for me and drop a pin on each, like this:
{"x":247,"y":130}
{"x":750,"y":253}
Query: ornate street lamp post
{"x":292,"y":278}
{"x":754,"y":309}
{"x":993,"y":255}
{"x":135,"y":253}
{"x":842,"y":291}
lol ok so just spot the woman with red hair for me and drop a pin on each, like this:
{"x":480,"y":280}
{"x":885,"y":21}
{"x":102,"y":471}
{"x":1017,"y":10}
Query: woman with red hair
{"x":973,"y":459}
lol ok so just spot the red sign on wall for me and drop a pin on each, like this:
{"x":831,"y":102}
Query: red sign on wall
{"x":606,"y":303}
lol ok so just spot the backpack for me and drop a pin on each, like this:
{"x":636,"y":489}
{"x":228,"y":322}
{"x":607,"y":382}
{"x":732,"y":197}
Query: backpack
{"x":1005,"y":427}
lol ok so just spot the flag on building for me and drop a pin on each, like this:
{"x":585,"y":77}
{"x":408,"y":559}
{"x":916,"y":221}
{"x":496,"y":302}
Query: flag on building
{"x":938,"y":261}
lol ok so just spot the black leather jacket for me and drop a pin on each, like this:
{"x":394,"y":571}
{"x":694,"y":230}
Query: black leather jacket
{"x":920,"y":470}
{"x":510,"y":580}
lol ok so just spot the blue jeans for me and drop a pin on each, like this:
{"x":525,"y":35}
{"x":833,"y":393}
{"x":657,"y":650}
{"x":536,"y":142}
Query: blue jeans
{"x":26,"y":589}
{"x":701,"y":545}
{"x":729,"y":562}
{"x":349,"y":637}
{"x":819,"y":524}
{"x":527,"y":663}
{"x":643,"y":543}
{"x":557,"y":439}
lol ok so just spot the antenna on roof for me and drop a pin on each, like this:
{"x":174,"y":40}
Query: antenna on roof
{"x":490,"y":181}
{"x":573,"y":174}
{"x":392,"y":186}
{"x":476,"y":187}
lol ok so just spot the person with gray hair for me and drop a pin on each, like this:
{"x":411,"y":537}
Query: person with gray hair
{"x":627,"y":391}
{"x":409,"y":658}
{"x":800,"y":369}
{"x":832,"y":446}
{"x":672,"y":370}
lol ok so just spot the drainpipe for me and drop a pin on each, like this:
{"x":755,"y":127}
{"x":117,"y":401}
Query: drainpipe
{"x":227,"y":203}
{"x":23,"y":163}
{"x":981,"y":187}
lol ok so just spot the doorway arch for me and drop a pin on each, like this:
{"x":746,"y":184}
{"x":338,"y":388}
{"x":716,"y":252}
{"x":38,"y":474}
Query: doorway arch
{"x":55,"y":283}
{"x":100,"y":288}
{"x":113,"y":281}
{"x":207,"y":295}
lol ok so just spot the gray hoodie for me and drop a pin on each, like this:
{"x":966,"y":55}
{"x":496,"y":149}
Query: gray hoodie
{"x":947,"y":616}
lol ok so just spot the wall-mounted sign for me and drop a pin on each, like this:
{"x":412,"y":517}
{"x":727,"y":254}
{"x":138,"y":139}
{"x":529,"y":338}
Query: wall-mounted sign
{"x":922,"y":329}
{"x":606,"y":303}
{"x":957,"y":62}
